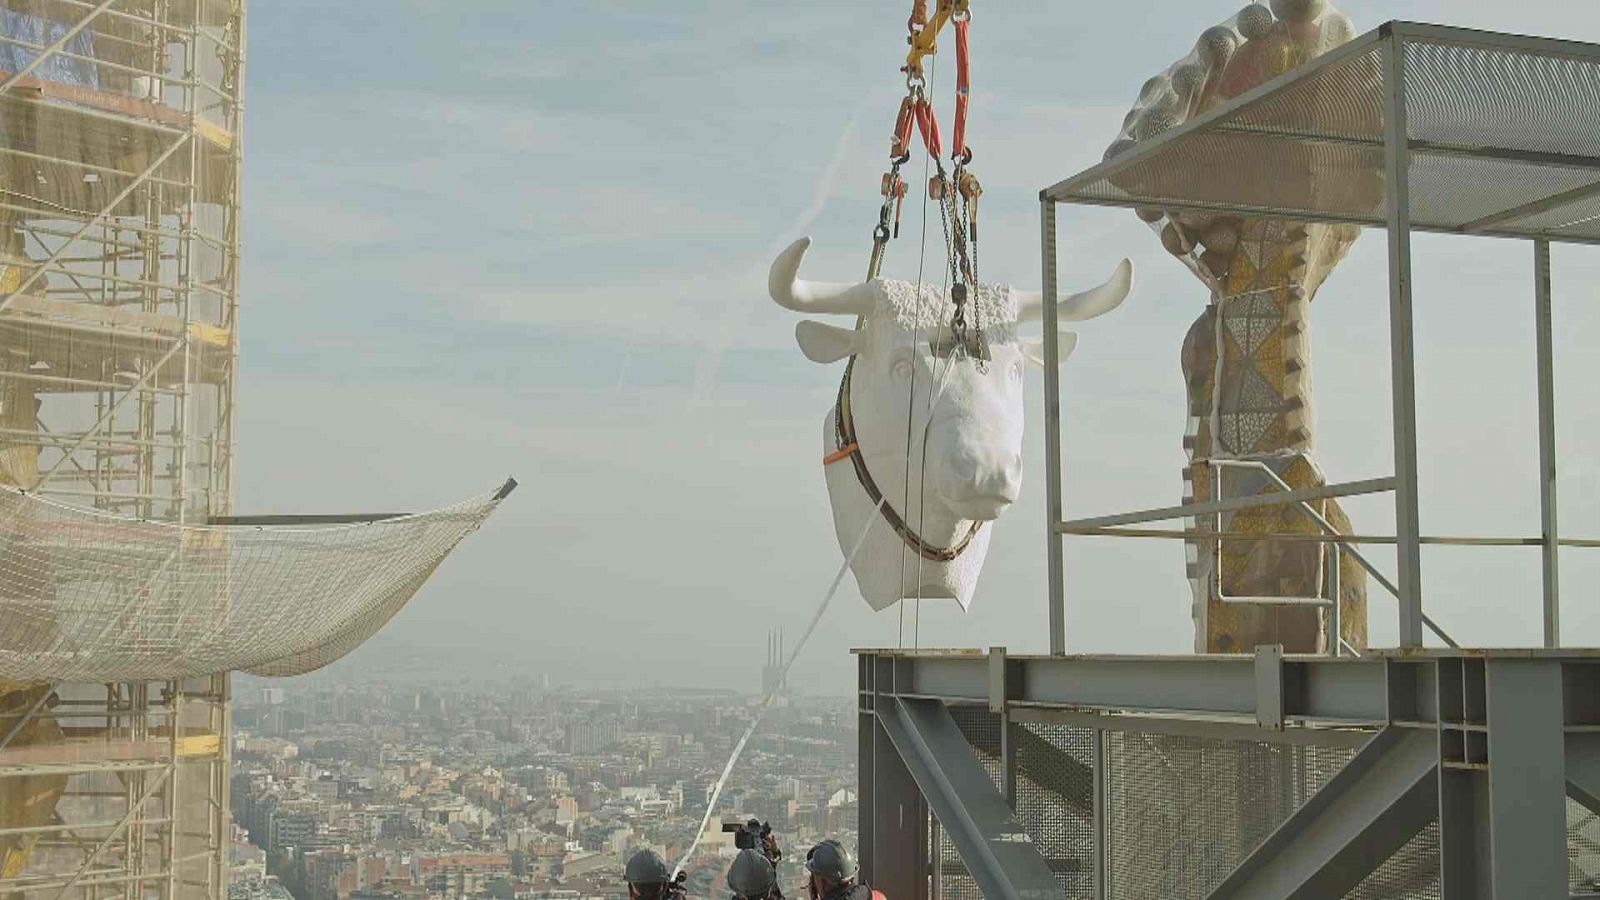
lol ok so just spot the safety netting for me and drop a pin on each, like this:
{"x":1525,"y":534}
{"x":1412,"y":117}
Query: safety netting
{"x":87,"y":596}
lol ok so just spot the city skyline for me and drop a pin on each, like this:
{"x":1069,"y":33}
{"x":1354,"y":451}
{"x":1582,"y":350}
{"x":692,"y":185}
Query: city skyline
{"x":385,"y":791}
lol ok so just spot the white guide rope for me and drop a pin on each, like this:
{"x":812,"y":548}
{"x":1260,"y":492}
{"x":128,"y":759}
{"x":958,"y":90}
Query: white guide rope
{"x":766,"y":702}
{"x":783,"y":676}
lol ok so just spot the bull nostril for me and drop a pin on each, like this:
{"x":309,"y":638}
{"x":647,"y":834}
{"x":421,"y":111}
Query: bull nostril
{"x":974,"y":471}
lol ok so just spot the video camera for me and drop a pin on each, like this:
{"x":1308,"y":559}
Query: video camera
{"x":754,"y":835}
{"x":675,"y":889}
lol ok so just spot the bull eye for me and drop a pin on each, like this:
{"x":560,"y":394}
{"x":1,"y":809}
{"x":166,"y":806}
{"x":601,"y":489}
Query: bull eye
{"x":901,"y":369}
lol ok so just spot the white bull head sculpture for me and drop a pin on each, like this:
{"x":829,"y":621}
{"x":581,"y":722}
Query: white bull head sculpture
{"x":936,"y":434}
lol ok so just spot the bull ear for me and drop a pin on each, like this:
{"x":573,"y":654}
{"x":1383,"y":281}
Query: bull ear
{"x":1033,"y":348}
{"x":825,"y":343}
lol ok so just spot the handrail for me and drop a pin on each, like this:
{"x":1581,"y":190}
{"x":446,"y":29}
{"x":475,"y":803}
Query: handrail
{"x":1195,"y":510}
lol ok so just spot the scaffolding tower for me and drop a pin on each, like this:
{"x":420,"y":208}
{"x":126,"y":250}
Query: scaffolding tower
{"x":120,"y":127}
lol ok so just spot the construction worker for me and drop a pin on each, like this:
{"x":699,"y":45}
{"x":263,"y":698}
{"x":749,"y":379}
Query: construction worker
{"x":831,"y":874}
{"x":752,"y":877}
{"x":647,"y":876}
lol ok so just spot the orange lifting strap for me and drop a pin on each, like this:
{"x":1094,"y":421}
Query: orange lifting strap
{"x":916,"y":107}
{"x":840,"y":453}
{"x":916,"y":114}
{"x":958,"y":143}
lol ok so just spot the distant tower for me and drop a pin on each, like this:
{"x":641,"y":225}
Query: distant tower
{"x":772,"y":672}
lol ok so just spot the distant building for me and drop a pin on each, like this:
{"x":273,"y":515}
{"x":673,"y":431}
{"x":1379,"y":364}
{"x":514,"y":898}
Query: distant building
{"x":459,"y":875}
{"x":772,"y":672}
{"x":583,"y":737}
{"x":290,"y":828}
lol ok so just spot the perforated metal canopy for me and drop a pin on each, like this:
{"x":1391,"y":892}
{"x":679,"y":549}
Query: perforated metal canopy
{"x":1503,"y":139}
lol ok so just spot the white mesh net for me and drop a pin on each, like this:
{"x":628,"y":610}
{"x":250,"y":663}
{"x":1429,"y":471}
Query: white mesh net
{"x":90,"y":597}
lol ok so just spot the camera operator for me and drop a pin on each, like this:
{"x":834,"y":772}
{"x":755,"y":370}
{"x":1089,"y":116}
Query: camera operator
{"x":757,"y":835}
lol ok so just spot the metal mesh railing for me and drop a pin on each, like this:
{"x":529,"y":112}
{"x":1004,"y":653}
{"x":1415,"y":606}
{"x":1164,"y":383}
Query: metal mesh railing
{"x":91,"y":597}
{"x":1502,"y":130}
{"x":1054,"y":789}
{"x":1583,"y":849}
{"x":1469,"y":95}
{"x":1180,"y":812}
{"x":1055,"y":801}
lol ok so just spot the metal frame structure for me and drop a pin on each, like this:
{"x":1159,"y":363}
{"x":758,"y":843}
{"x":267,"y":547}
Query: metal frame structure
{"x":1412,"y":772}
{"x":1487,"y":747}
{"x":120,"y":152}
{"x":1384,"y":142}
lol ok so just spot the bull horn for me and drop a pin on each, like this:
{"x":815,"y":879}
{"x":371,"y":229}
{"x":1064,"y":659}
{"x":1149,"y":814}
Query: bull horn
{"x":815,"y":297}
{"x":1084,"y":305}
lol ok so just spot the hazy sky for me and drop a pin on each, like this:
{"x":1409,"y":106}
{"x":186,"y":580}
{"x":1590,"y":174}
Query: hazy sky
{"x":531,"y":238}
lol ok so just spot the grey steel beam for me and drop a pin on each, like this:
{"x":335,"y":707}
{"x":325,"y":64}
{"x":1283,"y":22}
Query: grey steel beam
{"x":1369,"y":810}
{"x":1052,"y":430}
{"x":1158,"y":514}
{"x":1402,"y":362}
{"x":500,"y":493}
{"x":866,"y":785}
{"x":999,"y":694}
{"x":1463,"y":834}
{"x":1502,"y":809}
{"x":1211,"y":727}
{"x":1249,"y":209}
{"x":1493,"y":40}
{"x":1269,"y":687}
{"x":894,"y":858}
{"x":1324,"y":689}
{"x":1545,"y":360}
{"x":998,"y":853}
{"x":1534,"y":207}
{"x":305,"y":519}
{"x":1526,"y":780}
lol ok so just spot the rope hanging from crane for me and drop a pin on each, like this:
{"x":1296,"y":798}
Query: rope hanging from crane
{"x":957,"y":190}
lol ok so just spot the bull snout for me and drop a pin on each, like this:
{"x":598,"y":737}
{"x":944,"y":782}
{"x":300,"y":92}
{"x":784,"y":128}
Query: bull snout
{"x":978,"y":480}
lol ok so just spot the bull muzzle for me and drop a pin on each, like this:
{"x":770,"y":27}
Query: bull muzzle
{"x":978,"y":481}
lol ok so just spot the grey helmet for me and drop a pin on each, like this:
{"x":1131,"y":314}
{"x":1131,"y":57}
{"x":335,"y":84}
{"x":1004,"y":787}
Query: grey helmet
{"x":751,"y":876}
{"x":646,"y":867}
{"x":831,"y":861}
